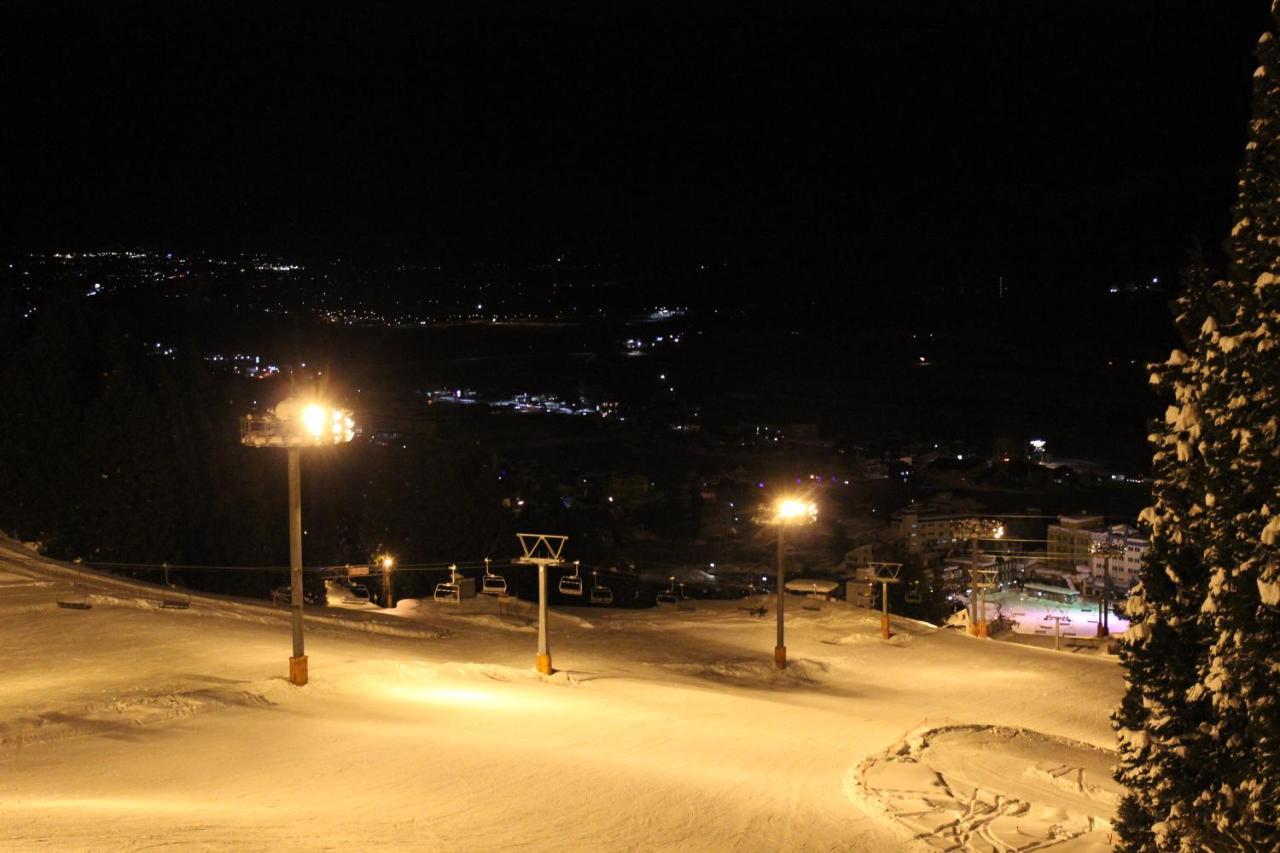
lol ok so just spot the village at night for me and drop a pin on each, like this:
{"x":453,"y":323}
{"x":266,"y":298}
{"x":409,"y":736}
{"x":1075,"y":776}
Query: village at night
{"x":583,"y":427}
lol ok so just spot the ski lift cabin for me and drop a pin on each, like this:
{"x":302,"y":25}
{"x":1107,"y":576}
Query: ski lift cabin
{"x":492,"y":584}
{"x":450,"y":591}
{"x":669,"y":596}
{"x":600,"y":594}
{"x":571,"y":584}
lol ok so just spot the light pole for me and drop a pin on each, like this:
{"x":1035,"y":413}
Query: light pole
{"x":388,"y":563}
{"x":296,"y":423}
{"x":787,"y":511}
{"x":1107,"y":550}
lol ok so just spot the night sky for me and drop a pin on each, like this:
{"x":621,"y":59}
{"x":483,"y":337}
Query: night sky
{"x":1058,"y":144}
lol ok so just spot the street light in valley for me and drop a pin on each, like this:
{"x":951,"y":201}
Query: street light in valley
{"x":296,"y":423}
{"x":388,"y":563}
{"x":787,"y":512}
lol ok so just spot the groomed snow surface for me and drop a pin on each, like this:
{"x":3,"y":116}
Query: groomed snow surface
{"x":128,"y":726}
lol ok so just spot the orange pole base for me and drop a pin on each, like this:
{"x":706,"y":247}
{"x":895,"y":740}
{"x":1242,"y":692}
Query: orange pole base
{"x":982,"y":629}
{"x":884,"y":626}
{"x":298,"y":671}
{"x":780,"y":657}
{"x":544,"y":664}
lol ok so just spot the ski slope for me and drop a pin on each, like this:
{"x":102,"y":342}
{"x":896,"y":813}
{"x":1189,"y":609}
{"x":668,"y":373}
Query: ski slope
{"x":131,"y":727}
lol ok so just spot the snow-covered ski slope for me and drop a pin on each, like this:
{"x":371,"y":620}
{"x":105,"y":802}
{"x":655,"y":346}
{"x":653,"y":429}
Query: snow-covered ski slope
{"x":131,"y":727}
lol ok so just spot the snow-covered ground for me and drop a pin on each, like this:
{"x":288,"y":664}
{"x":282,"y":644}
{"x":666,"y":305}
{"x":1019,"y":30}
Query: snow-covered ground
{"x":1030,"y":615}
{"x":128,"y":726}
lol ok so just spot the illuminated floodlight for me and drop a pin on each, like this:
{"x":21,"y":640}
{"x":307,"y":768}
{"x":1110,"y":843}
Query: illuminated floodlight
{"x":298,"y":423}
{"x":293,"y":424}
{"x":795,"y":511}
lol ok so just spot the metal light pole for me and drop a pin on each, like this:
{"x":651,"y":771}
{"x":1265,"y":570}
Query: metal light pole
{"x":780,"y":648}
{"x":787,"y":511}
{"x":294,"y":424}
{"x":388,"y":563}
{"x":297,"y":663}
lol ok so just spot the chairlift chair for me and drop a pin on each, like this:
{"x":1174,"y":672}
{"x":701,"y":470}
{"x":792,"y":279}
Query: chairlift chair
{"x":912,"y":596}
{"x":78,"y":599}
{"x":173,"y":599}
{"x":669,"y":595}
{"x":449,"y":592}
{"x":571,"y":584}
{"x":492,"y":584}
{"x":355,"y":593}
{"x":600,"y":594}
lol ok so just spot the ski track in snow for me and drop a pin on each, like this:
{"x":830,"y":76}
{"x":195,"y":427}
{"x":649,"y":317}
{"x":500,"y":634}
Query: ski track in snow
{"x":990,"y":788}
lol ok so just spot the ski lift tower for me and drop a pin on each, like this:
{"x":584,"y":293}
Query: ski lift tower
{"x":541,"y":550}
{"x":1057,"y":615}
{"x":884,"y":574}
{"x":296,"y":423}
{"x":1106,"y":550}
{"x":975,"y":529}
{"x":983,"y":580}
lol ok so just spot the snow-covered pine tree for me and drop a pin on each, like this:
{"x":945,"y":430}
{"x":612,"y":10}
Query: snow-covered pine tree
{"x":1163,"y":762}
{"x":1241,"y":674}
{"x":1201,"y":753}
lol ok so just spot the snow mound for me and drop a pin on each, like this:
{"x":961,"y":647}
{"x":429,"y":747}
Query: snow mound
{"x":115,"y":717}
{"x":993,"y":788}
{"x":502,"y":623}
{"x":756,"y":673}
{"x":482,"y":611}
{"x":864,"y":638}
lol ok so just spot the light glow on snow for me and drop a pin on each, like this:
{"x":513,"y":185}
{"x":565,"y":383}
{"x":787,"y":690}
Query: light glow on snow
{"x":468,"y":697}
{"x":182,"y":723}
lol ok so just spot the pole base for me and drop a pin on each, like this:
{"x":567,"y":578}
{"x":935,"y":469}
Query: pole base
{"x":973,"y":630}
{"x":1102,"y":631}
{"x":544,"y":664}
{"x":982,"y":629}
{"x":298,"y":671}
{"x":780,"y":657}
{"x":884,"y":627}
